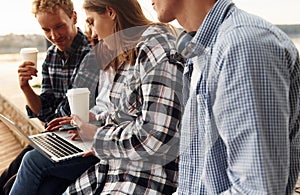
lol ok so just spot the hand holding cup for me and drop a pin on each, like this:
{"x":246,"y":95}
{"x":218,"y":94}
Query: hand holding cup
{"x":29,"y":54}
{"x":28,"y":68}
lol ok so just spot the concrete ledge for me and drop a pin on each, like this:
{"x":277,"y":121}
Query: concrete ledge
{"x":22,"y":121}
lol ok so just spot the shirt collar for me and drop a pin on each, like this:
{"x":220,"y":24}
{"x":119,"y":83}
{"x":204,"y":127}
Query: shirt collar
{"x":209,"y":28}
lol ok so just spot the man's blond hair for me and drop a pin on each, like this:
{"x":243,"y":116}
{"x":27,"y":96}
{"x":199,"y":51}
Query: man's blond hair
{"x":50,"y":6}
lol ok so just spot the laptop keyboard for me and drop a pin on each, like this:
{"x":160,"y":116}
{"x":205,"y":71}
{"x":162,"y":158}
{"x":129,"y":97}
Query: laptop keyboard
{"x":56,"y":145}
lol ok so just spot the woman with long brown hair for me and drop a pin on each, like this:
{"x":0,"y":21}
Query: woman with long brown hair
{"x":138,"y":144}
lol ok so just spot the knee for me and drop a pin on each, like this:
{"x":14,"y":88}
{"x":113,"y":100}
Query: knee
{"x":33,"y":158}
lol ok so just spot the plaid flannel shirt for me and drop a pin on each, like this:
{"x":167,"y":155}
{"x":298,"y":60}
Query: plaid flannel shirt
{"x":58,"y":75}
{"x":138,"y":146}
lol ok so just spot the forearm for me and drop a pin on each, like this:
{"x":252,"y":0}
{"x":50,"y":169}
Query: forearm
{"x":135,"y":140}
{"x":32,"y":99}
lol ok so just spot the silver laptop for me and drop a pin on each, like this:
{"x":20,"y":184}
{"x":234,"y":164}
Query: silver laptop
{"x":57,"y":146}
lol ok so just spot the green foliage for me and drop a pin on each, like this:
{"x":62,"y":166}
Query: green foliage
{"x":37,"y":86}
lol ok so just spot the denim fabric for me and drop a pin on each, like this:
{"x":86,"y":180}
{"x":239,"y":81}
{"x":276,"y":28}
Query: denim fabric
{"x":46,"y":175}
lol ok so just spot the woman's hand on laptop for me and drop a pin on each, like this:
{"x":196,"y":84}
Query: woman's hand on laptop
{"x":89,"y":153}
{"x":85,"y":130}
{"x":57,"y":123}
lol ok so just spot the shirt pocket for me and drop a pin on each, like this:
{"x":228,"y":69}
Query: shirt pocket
{"x":206,"y":94}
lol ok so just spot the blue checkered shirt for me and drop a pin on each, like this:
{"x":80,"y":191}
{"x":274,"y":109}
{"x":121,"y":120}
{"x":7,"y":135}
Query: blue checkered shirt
{"x":58,"y":76}
{"x":240,"y":128}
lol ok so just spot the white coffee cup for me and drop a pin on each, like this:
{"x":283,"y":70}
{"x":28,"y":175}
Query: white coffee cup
{"x":29,"y":54}
{"x":79,"y":102}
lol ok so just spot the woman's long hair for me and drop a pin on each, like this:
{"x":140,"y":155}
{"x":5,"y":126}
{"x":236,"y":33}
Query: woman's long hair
{"x":129,"y":14}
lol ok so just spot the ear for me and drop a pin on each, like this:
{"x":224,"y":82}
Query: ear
{"x":111,"y":13}
{"x":74,"y":17}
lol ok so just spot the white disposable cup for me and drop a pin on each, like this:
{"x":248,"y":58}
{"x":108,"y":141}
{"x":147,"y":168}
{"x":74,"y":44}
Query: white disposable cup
{"x":29,"y":54}
{"x":79,"y":102}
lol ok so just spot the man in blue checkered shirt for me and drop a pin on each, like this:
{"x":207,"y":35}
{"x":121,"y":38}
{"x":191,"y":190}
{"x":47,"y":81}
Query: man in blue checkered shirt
{"x":240,"y":128}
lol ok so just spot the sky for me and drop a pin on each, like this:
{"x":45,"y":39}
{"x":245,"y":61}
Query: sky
{"x":16,"y":16}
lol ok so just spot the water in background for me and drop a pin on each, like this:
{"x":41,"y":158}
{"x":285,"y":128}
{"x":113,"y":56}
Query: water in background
{"x":9,"y":67}
{"x":9,"y":84}
{"x":296,"y":40}
{"x":9,"y":64}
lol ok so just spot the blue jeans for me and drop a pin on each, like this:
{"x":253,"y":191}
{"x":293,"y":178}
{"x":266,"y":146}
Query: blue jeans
{"x":39,"y":175}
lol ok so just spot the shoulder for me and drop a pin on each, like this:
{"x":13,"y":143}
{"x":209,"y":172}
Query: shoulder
{"x":249,"y":42}
{"x":157,"y":50}
{"x":157,"y":35}
{"x":244,"y":29}
{"x":156,"y":42}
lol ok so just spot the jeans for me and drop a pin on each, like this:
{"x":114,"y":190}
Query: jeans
{"x":39,"y":175}
{"x":7,"y":178}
